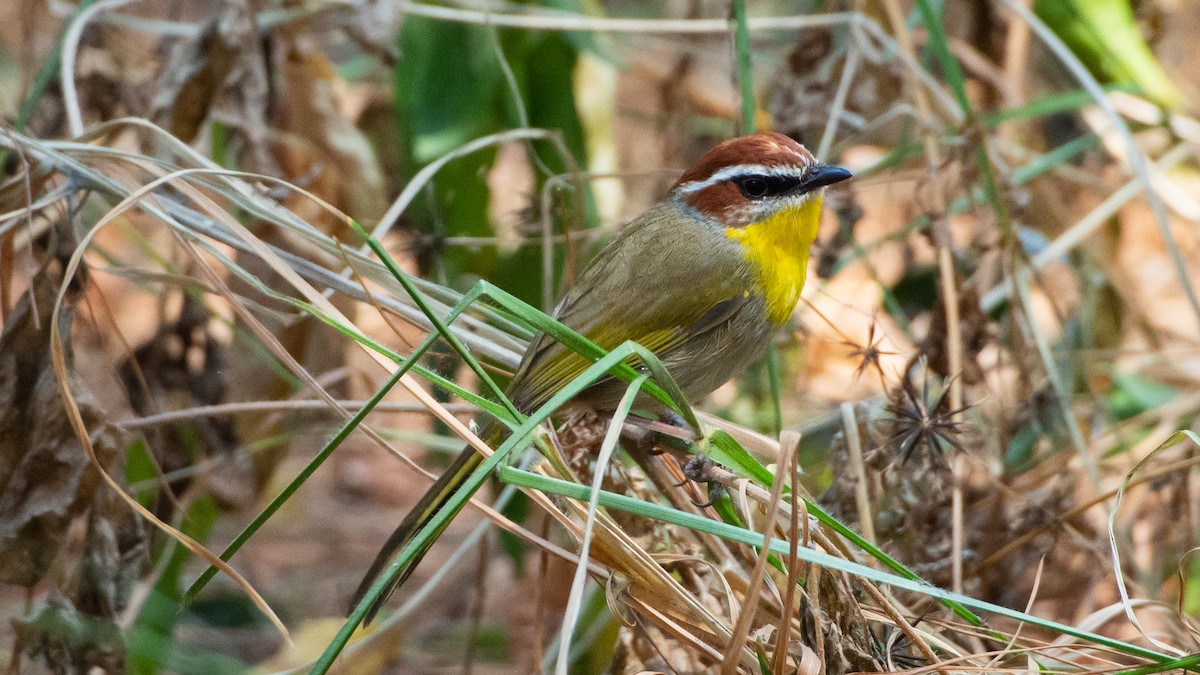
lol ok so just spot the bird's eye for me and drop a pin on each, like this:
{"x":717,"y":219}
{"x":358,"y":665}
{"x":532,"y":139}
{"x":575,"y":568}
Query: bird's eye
{"x":754,"y":188}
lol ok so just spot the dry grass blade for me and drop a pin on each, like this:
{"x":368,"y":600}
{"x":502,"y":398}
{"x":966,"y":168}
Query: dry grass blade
{"x":741,"y":627}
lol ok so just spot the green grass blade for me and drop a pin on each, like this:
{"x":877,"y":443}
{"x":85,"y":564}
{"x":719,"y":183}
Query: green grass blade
{"x":495,"y":409}
{"x":723,"y":449}
{"x":438,"y":324}
{"x":774,"y":378}
{"x":745,"y":74}
{"x":1049,"y":105}
{"x":662,"y":387}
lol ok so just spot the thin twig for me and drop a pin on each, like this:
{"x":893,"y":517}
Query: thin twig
{"x":565,"y":21}
{"x":849,"y":68}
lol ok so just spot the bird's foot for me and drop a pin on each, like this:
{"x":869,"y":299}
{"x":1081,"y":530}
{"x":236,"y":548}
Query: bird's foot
{"x":698,"y":470}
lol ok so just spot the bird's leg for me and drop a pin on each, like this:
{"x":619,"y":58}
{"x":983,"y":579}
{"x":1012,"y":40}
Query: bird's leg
{"x":657,"y":438}
{"x":698,"y":468}
{"x":654,"y":437}
{"x":639,"y":437}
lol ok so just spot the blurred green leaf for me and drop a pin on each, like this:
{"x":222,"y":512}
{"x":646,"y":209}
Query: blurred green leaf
{"x":447,"y":81}
{"x":58,"y":627}
{"x":595,"y":637}
{"x":154,"y":652}
{"x":1018,"y":456}
{"x":917,"y":291}
{"x":451,"y":88}
{"x":1191,"y":592}
{"x":544,"y":66}
{"x":1105,"y":36}
{"x":139,"y":470}
{"x":1049,"y":105}
{"x":228,"y":611}
{"x":1132,"y":394}
{"x":517,"y":510}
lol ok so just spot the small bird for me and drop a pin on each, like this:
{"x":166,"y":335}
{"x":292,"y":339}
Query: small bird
{"x":702,"y":279}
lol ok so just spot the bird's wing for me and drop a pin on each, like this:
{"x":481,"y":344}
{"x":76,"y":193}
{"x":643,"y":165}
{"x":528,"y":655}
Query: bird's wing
{"x":630,"y":292}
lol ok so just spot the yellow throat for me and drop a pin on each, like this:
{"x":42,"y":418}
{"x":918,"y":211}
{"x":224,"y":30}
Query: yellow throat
{"x":778,"y":247}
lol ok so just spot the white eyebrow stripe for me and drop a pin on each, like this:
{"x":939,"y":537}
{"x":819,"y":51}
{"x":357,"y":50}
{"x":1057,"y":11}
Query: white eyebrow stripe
{"x":743,"y":170}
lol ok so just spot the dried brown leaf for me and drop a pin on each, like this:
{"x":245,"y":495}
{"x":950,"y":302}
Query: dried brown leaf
{"x":46,"y":479}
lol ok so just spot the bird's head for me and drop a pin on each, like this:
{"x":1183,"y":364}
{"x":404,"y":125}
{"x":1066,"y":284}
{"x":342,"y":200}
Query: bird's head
{"x":750,"y":179}
{"x":765,"y":191}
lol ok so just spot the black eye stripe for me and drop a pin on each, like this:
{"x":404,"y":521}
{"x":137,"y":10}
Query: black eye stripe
{"x":760,"y":186}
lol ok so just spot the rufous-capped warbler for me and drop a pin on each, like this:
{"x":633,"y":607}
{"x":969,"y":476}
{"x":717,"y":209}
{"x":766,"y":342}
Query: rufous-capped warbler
{"x":702,"y":279}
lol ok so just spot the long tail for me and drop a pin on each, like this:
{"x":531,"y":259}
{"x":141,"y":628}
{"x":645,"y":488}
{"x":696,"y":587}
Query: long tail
{"x":433,"y":501}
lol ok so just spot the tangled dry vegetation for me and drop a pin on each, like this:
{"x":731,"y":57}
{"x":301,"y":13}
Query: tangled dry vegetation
{"x":989,"y":386}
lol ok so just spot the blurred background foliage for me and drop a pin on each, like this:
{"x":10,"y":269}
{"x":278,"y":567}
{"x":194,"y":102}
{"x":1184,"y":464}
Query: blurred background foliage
{"x":503,"y":79}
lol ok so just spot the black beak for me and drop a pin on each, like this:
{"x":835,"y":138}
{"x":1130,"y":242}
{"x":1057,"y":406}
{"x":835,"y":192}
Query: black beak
{"x":821,"y":175}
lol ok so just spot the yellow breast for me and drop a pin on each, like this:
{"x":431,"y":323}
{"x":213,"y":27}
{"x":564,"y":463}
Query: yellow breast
{"x":779,"y":247}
